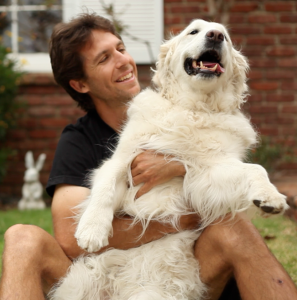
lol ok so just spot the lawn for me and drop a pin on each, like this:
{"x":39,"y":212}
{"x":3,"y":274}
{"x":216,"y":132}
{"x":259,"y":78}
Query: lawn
{"x":279,"y":232}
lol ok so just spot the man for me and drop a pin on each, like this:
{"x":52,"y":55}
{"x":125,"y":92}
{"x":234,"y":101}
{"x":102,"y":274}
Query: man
{"x":90,"y":61}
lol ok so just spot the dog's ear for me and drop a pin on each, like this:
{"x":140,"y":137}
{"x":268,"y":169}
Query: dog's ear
{"x":240,"y":68}
{"x":162,"y":72}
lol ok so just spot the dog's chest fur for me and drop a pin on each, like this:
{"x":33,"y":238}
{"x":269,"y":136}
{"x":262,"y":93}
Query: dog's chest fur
{"x":171,"y":128}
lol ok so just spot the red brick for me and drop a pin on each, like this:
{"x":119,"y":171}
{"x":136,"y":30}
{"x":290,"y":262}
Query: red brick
{"x":5,"y":189}
{"x":40,"y":134}
{"x":41,"y":111}
{"x":288,"y":18}
{"x":281,"y":51}
{"x":236,"y":19}
{"x":174,"y":30}
{"x":185,"y":9}
{"x":286,"y":74}
{"x":262,"y":63}
{"x":287,"y":131}
{"x":289,"y":40}
{"x":289,"y":86}
{"x":244,"y":7}
{"x":289,"y":109}
{"x":279,"y":6}
{"x":264,"y":85}
{"x":53,"y":123}
{"x":262,"y":18}
{"x":280,"y":98}
{"x":38,"y":79}
{"x":279,"y":120}
{"x":42,"y":90}
{"x":17,"y":134}
{"x":288,"y":165}
{"x":237,"y":40}
{"x":72,"y":112}
{"x":172,"y":20}
{"x":58,"y":100}
{"x":245,"y":30}
{"x":250,"y":51}
{"x":260,"y":40}
{"x":34,"y":99}
{"x":255,"y":98}
{"x":263,"y":109}
{"x":277,"y":30}
{"x":269,"y":131}
{"x":255,"y":74}
{"x":171,"y":1}
{"x":13,"y":178}
{"x":289,"y":62}
{"x":28,"y":123}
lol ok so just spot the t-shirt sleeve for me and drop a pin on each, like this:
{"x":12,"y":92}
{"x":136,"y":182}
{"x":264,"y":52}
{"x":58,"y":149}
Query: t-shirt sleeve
{"x":74,"y":160}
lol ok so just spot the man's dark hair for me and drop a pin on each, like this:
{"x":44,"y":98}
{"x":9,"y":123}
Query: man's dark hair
{"x":66,"y":42}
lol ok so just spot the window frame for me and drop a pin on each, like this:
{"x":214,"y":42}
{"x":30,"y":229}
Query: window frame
{"x":40,"y":62}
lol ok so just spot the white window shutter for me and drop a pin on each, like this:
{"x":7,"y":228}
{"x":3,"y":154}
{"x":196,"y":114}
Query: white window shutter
{"x":144,"y":20}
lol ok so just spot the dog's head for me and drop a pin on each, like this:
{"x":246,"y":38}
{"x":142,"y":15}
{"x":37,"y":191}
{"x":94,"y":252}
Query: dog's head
{"x":202,"y":59}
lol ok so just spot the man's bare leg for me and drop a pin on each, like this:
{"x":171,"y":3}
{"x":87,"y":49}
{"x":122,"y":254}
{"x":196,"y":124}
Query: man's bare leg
{"x":32,"y":262}
{"x":236,"y":248}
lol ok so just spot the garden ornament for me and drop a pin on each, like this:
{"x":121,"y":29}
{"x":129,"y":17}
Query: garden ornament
{"x":32,"y":189}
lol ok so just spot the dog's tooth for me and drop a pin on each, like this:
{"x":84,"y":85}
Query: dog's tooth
{"x":213,"y":68}
{"x":194,"y":64}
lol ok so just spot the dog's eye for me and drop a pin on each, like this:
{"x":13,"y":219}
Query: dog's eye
{"x":194,"y":31}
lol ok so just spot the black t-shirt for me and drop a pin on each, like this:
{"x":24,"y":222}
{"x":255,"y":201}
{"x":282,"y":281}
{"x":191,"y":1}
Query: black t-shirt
{"x":82,"y":147}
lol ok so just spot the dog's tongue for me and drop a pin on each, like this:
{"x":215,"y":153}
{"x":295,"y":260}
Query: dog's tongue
{"x":215,"y":67}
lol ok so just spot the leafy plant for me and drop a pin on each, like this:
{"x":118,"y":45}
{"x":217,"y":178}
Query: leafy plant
{"x":267,"y":154}
{"x":9,"y":79}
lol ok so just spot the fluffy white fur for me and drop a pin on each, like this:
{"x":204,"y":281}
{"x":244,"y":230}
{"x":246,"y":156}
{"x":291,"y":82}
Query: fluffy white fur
{"x":198,"y":121}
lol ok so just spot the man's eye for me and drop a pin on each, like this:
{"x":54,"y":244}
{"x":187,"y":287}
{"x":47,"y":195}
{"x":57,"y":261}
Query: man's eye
{"x":103,"y":59}
{"x":194,"y":32}
{"x":122,"y":50}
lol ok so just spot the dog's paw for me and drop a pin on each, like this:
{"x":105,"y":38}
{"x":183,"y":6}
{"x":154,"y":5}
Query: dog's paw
{"x":92,"y":237}
{"x":91,"y":243}
{"x":271,"y":203}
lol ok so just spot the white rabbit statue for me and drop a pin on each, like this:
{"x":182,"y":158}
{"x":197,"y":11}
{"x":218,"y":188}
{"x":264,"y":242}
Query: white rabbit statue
{"x":32,"y":189}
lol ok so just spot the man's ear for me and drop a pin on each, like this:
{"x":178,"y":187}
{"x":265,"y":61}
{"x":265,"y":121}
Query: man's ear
{"x":79,"y":86}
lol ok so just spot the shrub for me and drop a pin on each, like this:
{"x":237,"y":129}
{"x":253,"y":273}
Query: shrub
{"x":9,"y":79}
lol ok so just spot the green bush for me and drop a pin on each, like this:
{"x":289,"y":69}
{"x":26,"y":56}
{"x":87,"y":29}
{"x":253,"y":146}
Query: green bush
{"x":9,"y":78}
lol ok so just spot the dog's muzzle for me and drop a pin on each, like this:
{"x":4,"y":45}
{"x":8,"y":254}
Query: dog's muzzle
{"x":209,"y":62}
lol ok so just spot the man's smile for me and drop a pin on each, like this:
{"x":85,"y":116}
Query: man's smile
{"x":125,"y":77}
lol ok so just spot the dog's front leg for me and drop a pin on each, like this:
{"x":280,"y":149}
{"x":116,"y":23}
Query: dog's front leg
{"x":95,"y":225}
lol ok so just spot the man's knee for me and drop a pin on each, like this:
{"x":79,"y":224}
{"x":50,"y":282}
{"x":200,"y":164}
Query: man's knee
{"x":24,"y":241}
{"x":234,"y":236}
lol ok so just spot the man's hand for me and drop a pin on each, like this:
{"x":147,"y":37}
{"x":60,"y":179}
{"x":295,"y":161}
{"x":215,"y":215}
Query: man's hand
{"x":153,"y":169}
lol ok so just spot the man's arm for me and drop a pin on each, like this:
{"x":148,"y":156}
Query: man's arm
{"x":153,"y":169}
{"x":124,"y":236}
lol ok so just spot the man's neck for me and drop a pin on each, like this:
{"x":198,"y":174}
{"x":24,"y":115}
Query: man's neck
{"x":112,"y":116}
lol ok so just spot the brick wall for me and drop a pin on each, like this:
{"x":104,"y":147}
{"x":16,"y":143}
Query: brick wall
{"x":47,"y":110}
{"x":266,"y":31}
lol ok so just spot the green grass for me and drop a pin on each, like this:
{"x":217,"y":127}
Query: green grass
{"x":279,"y":232}
{"x":42,"y":218}
{"x":281,"y":239}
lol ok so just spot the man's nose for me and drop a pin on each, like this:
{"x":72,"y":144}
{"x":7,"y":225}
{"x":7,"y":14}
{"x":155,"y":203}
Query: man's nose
{"x":121,"y":59}
{"x":215,"y":36}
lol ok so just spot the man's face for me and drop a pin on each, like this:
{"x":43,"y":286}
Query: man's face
{"x":111,"y":72}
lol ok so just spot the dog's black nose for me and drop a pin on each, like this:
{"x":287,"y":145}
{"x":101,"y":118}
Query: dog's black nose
{"x":215,"y":36}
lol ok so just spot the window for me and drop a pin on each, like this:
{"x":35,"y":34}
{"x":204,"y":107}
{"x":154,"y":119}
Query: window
{"x":26,"y":26}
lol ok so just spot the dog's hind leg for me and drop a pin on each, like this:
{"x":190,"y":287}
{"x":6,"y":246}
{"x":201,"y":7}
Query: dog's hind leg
{"x":95,"y":225}
{"x":231,"y":186}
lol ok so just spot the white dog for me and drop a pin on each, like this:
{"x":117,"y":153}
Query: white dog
{"x":195,"y":117}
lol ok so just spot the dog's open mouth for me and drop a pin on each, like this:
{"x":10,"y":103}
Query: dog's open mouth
{"x":206,"y":64}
